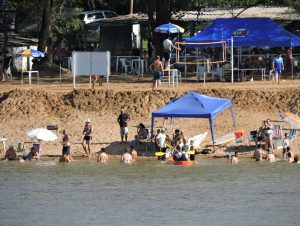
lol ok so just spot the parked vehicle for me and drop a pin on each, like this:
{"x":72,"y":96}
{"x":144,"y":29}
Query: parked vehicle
{"x":92,"y":16}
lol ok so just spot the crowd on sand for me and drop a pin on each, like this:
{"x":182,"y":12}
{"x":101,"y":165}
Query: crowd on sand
{"x":177,"y":146}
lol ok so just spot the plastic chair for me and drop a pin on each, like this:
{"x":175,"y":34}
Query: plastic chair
{"x":217,"y":72}
{"x":292,"y":134}
{"x":176,"y":73}
{"x":201,"y":71}
{"x":125,"y":65}
{"x":252,"y":136}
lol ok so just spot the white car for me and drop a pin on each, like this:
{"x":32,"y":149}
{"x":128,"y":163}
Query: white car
{"x":91,"y":16}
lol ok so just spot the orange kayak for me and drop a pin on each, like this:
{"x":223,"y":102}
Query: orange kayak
{"x":183,"y":163}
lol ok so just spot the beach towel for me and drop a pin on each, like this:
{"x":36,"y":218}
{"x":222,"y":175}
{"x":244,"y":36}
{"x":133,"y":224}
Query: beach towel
{"x":277,"y":132}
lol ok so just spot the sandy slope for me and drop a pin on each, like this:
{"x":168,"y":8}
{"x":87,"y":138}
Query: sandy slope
{"x":23,"y":107}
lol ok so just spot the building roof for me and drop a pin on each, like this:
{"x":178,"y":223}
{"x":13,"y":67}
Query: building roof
{"x":123,"y":20}
{"x":15,"y":40}
{"x":208,"y":14}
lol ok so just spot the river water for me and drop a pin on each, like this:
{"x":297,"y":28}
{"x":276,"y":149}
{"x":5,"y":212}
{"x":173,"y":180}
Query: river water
{"x":212,"y":192}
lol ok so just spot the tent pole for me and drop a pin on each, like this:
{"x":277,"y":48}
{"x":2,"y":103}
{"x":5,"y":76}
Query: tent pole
{"x":108,"y":74}
{"x":292,"y":63}
{"x":90,"y":83}
{"x":232,"y":59}
{"x":185,"y":67}
{"x":232,"y":115}
{"x":211,"y":122}
{"x":152,"y":127}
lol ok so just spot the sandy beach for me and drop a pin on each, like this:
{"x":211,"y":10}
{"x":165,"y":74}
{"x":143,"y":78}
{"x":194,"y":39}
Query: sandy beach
{"x":24,"y":107}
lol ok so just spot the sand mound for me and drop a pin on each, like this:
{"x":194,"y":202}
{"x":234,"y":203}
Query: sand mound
{"x":143,"y":103}
{"x":19,"y":103}
{"x":35,"y":103}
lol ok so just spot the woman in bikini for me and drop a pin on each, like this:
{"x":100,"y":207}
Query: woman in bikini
{"x":87,"y":139}
{"x":66,"y":151}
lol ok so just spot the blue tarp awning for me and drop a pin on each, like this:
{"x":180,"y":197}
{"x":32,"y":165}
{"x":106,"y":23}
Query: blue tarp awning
{"x":247,"y":32}
{"x":194,"y":105}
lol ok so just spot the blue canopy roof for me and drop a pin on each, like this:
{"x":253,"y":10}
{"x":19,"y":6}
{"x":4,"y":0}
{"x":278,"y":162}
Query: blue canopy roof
{"x":193,"y":105}
{"x":247,"y":32}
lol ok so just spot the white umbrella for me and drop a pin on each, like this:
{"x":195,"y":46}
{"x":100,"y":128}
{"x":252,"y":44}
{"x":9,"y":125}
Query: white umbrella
{"x":42,"y":134}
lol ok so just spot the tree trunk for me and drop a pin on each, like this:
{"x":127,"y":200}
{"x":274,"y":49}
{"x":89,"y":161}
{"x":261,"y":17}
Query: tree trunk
{"x":163,"y":15}
{"x":45,"y":29}
{"x":5,"y":38}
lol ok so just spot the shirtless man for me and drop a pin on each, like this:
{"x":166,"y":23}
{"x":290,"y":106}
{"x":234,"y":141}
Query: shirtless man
{"x":235,"y":158}
{"x":10,"y":153}
{"x":134,"y":155}
{"x":102,"y":157}
{"x":87,"y":139}
{"x":157,"y":69}
{"x":270,"y":156}
{"x":126,"y":157}
{"x":258,"y":154}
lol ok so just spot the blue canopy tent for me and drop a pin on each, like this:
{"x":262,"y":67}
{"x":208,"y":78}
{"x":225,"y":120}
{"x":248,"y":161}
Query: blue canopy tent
{"x":238,"y":32}
{"x":194,"y":105}
{"x":247,"y":32}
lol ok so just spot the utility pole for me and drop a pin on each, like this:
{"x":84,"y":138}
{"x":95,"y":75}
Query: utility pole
{"x":131,"y":6}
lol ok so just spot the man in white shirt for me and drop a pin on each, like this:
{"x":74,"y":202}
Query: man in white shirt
{"x":168,"y":45}
{"x":161,"y":137}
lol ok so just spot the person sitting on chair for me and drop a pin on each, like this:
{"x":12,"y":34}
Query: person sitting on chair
{"x":10,"y":153}
{"x":142,"y":132}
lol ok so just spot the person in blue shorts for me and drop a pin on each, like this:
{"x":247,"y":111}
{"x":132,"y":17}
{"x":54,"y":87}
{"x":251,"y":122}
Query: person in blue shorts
{"x":278,"y":67}
{"x":157,"y":69}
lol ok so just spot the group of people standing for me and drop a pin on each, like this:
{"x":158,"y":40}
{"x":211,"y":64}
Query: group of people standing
{"x":87,"y":141}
